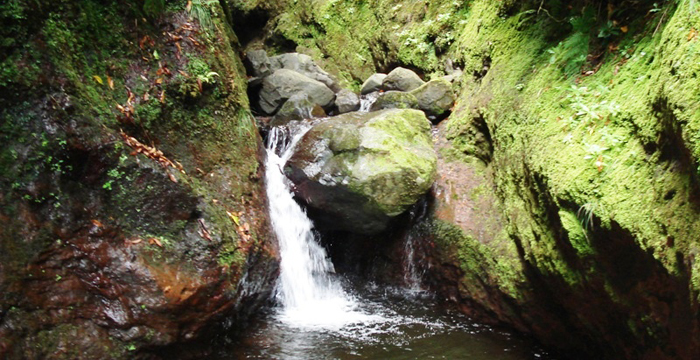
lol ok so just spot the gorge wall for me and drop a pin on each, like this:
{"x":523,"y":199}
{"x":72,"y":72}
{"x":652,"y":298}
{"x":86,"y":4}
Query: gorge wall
{"x":134,"y":217}
{"x":567,"y":198}
{"x":132,"y":206}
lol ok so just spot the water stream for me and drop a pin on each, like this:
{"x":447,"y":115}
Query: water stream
{"x":321,"y":315}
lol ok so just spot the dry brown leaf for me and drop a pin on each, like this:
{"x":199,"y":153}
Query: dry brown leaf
{"x":159,"y":81}
{"x":189,"y":5}
{"x":172,"y":177}
{"x":96,"y":223}
{"x":110,"y":82}
{"x":146,"y":96}
{"x":693,"y":34}
{"x":166,"y":289}
{"x":162,"y":97}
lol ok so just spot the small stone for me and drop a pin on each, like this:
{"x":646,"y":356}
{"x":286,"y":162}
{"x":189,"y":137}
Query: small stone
{"x":347,"y":101}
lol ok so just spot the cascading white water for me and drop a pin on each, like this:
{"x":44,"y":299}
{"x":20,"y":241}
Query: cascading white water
{"x":308,"y":295}
{"x":367,"y":100}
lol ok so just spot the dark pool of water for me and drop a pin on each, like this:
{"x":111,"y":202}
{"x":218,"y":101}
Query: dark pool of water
{"x":402,"y":325}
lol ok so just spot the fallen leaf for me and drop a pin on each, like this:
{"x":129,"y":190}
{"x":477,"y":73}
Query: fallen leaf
{"x":624,"y":29}
{"x":110,"y":82}
{"x":146,"y":97}
{"x":189,"y":5}
{"x":159,"y":81}
{"x":693,"y":34}
{"x":233,"y":217}
{"x":98,"y":79}
{"x":96,"y":223}
{"x":179,"y":50}
{"x":172,"y":177}
{"x":155,"y":241}
{"x":162,"y":97}
{"x":166,"y":289}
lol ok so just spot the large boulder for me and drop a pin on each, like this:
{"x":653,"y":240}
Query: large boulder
{"x":435,"y":97}
{"x":373,"y":83}
{"x":357,"y":171}
{"x":395,"y":100}
{"x":402,"y":79}
{"x":284,"y":83}
{"x":305,"y":65}
{"x":347,"y":101}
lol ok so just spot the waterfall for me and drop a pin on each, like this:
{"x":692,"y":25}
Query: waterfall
{"x":308,"y":294}
{"x":367,"y":100}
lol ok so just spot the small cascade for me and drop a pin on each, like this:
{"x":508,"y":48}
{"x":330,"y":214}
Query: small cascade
{"x":367,"y":100}
{"x":308,"y":294}
{"x":411,"y":274}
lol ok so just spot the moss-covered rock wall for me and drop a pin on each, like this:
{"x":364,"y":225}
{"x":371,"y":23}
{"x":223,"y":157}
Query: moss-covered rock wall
{"x":133,"y":216}
{"x":567,"y":199}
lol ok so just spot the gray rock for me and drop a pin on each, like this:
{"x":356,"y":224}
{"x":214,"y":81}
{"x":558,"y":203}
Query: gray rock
{"x":402,"y":79}
{"x":373,"y":83}
{"x":284,"y":83}
{"x":347,"y":101}
{"x":454,"y":76}
{"x":298,"y":107}
{"x":357,"y":171}
{"x":305,"y":65}
{"x":435,"y":97}
{"x":259,"y":63}
{"x":395,"y":100}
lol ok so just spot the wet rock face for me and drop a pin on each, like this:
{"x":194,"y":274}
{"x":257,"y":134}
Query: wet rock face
{"x":118,"y":240}
{"x":359,"y":170}
{"x":298,"y":107}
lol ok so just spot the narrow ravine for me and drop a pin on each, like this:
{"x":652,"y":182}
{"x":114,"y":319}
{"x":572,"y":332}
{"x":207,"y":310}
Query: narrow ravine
{"x":322,"y":315}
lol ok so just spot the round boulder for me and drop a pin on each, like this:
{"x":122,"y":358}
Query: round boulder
{"x":373,"y":83}
{"x":284,"y":83}
{"x":395,"y":100}
{"x":435,"y":97}
{"x":357,"y":171}
{"x":402,"y":79}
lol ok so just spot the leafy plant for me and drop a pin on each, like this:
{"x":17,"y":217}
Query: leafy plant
{"x":585,"y":214}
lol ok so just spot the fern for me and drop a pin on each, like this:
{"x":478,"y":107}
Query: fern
{"x":201,"y":11}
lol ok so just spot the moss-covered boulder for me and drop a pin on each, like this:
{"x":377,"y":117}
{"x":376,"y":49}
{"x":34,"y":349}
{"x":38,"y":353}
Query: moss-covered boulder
{"x":435,"y":97}
{"x":359,"y":170}
{"x":395,"y":100}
